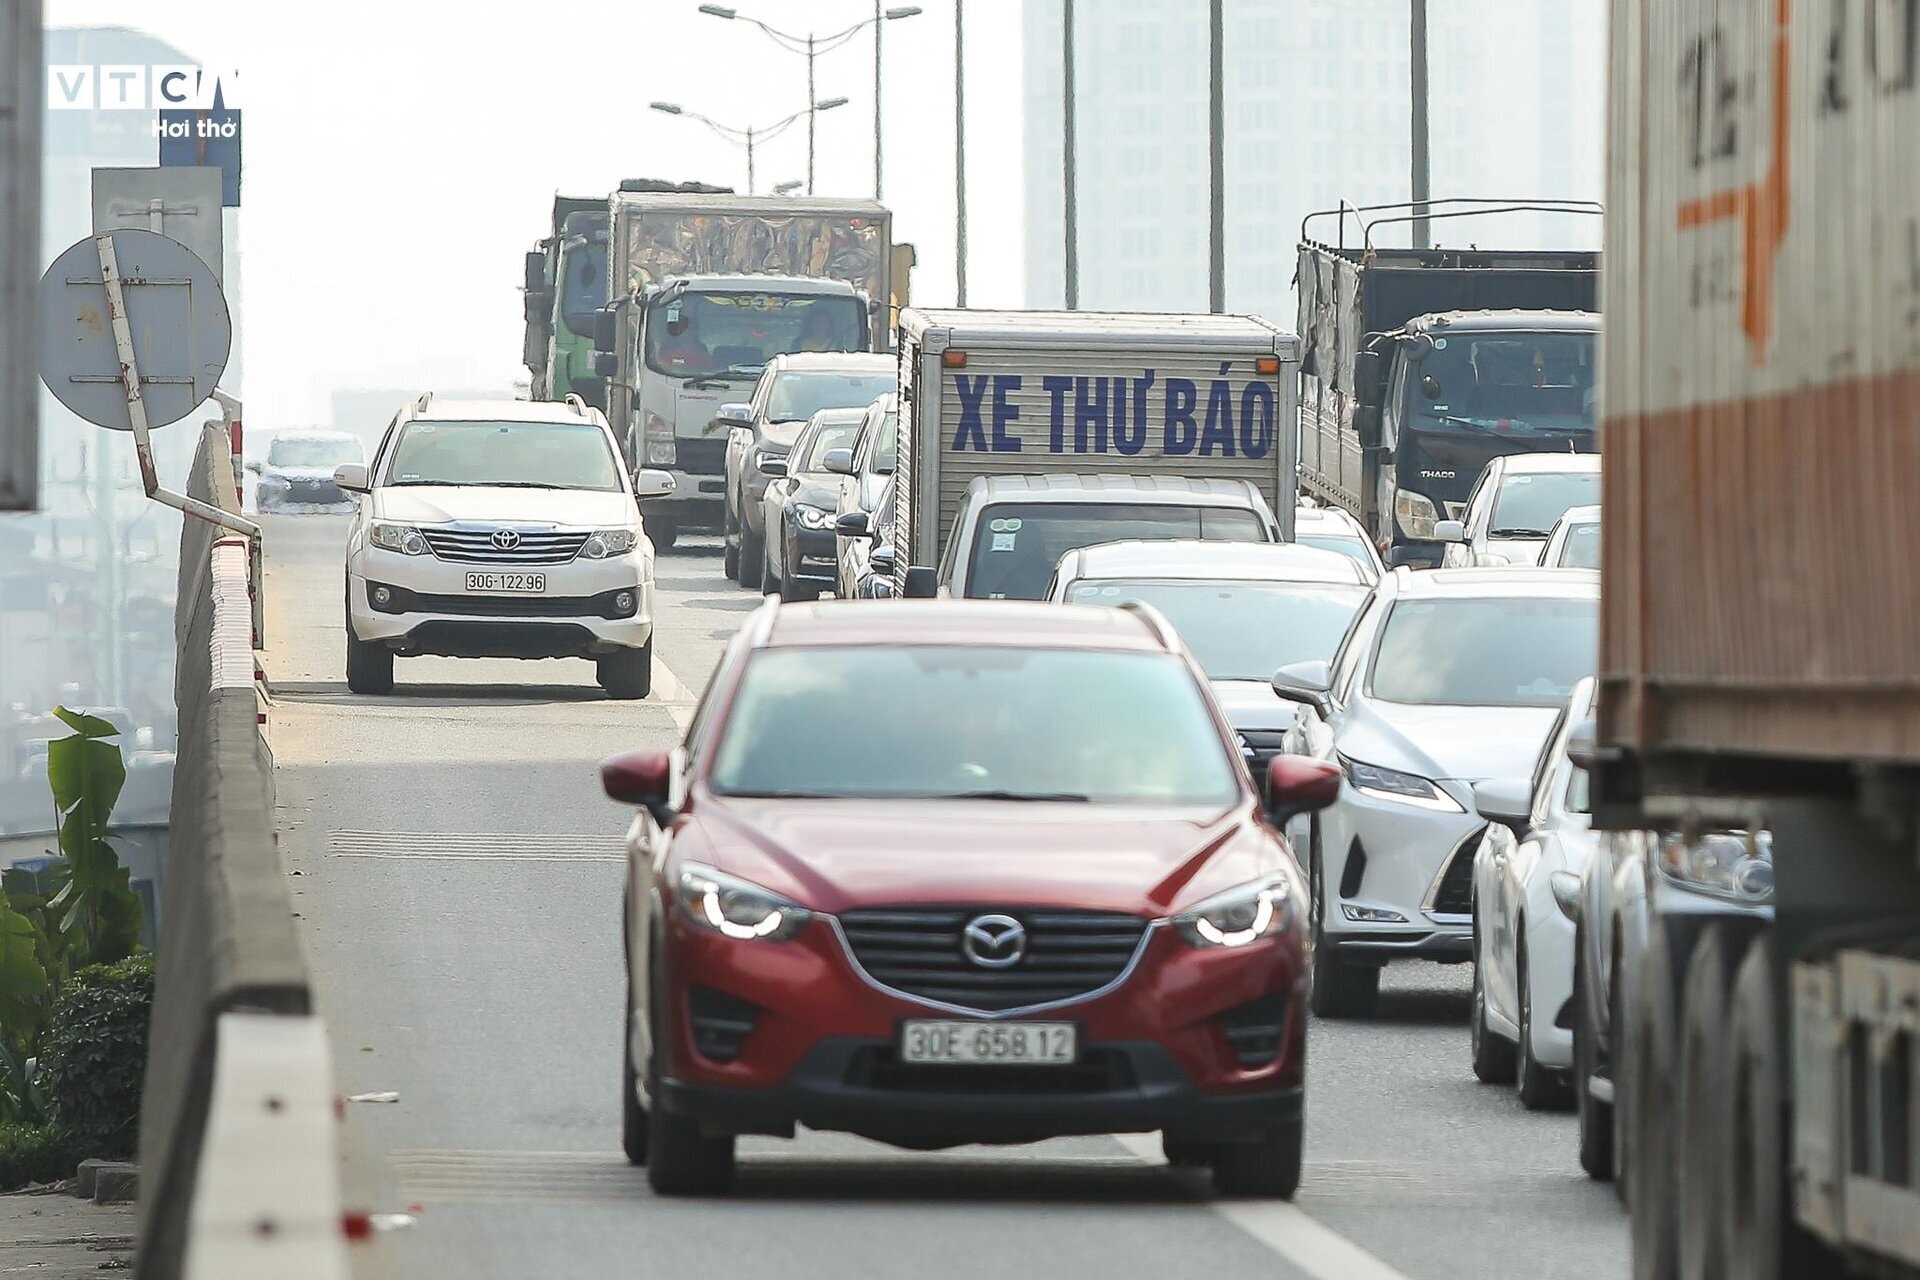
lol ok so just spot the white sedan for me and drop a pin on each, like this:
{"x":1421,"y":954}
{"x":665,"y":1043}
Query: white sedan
{"x":1526,"y":894}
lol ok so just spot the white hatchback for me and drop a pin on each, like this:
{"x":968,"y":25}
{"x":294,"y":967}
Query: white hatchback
{"x":500,"y":528}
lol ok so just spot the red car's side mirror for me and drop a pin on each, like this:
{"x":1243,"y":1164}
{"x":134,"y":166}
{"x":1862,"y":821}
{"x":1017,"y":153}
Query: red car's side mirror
{"x":1297,"y":785}
{"x":643,"y":778}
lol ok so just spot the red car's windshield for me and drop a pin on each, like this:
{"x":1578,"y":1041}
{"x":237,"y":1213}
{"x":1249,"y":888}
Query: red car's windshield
{"x":931,"y":722}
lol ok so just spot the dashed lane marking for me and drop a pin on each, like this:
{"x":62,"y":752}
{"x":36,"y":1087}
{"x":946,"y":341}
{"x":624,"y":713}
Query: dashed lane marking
{"x":675,"y":696}
{"x":477,"y":846}
{"x":1308,"y":1244}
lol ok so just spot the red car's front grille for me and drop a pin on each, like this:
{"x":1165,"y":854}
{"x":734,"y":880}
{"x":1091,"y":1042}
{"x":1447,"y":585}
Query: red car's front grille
{"x":918,"y":951}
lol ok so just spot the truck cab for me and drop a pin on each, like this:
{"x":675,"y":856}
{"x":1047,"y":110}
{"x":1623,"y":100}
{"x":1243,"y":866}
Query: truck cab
{"x":1463,"y":388}
{"x":690,"y":345}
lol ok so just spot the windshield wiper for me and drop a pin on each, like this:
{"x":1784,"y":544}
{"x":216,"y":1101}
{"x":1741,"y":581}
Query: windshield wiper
{"x":1073,"y":796}
{"x":1519,"y":533}
{"x":518,"y":484}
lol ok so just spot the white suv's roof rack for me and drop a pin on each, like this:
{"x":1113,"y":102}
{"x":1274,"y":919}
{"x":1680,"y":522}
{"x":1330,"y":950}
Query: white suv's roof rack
{"x":575,"y":403}
{"x":420,"y":405}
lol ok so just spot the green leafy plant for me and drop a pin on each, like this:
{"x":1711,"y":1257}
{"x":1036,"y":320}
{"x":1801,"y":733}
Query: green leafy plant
{"x":94,"y":1053}
{"x":61,"y":919}
{"x":38,"y":1153}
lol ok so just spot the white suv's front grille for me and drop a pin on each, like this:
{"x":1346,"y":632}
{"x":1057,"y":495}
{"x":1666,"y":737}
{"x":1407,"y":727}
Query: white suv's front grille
{"x":503,"y":544}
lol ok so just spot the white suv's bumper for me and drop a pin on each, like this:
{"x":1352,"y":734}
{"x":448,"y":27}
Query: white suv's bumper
{"x":582,"y":613}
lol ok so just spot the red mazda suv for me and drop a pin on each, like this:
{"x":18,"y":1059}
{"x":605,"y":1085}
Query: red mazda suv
{"x":946,"y":872}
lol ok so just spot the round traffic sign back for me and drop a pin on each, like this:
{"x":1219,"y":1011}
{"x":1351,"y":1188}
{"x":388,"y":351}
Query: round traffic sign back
{"x":178,"y":320}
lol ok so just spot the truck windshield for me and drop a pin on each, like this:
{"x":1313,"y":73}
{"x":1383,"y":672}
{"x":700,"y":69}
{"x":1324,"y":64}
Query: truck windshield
{"x":797,"y":396}
{"x":583,"y":283}
{"x":986,"y":723}
{"x":1017,"y":545}
{"x":1241,"y":630}
{"x":732,"y":335}
{"x":509,"y":455}
{"x":1518,"y":652}
{"x":1506,"y":381}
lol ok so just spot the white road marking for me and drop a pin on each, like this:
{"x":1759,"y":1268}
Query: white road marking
{"x":1291,"y":1232}
{"x":675,"y":696}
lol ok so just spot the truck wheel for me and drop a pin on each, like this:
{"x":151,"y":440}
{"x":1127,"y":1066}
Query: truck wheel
{"x":627,"y":673}
{"x":1269,"y":1167}
{"x":1650,"y":1148}
{"x":369,"y":666}
{"x":1705,"y":1104}
{"x":1762,"y":1241}
{"x":1340,"y":990}
{"x":1541,"y":1088}
{"x":753,"y":560}
{"x":1596,"y":1117}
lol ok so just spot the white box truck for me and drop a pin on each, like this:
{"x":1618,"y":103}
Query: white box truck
{"x":1104,"y":396}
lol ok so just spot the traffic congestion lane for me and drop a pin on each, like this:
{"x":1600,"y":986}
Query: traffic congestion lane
{"x":459,"y":881}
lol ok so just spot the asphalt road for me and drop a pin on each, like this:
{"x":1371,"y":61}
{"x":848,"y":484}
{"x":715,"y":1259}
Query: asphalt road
{"x":457,"y":874}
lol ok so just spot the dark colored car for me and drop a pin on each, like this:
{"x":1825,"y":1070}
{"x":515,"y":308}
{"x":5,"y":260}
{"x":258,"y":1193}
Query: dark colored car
{"x":800,"y":505}
{"x":297,"y":472}
{"x":944,"y":872}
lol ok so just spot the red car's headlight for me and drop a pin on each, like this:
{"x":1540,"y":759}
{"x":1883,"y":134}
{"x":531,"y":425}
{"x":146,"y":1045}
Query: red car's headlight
{"x":737,"y":908}
{"x":1240,"y":917}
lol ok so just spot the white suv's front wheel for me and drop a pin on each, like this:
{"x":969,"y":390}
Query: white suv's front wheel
{"x":627,"y":673}
{"x":369,"y":666}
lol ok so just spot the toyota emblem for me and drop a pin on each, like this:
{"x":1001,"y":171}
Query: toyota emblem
{"x":994,"y":942}
{"x":505,"y":539}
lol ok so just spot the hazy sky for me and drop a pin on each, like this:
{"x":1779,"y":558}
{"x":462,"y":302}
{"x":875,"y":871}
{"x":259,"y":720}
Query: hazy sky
{"x":400,"y":157}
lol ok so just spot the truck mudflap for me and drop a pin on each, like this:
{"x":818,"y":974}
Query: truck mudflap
{"x":1856,"y":1089}
{"x":1819,"y":1038}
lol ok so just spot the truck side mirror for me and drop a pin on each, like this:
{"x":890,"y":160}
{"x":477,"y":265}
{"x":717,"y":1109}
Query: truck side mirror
{"x":606,"y":364}
{"x":1368,"y":369}
{"x":1366,"y":421}
{"x":603,"y":329}
{"x":922,"y":584}
{"x":536,"y":278}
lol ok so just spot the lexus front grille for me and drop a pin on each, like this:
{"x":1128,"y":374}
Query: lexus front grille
{"x":502,"y":544}
{"x":1066,"y":954}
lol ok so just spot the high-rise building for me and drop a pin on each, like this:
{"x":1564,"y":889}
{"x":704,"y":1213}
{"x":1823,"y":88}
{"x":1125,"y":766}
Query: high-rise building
{"x":1316,"y":112}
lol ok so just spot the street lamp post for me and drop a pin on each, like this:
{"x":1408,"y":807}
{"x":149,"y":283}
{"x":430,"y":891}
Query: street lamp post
{"x":812,"y":45}
{"x":751,"y":134}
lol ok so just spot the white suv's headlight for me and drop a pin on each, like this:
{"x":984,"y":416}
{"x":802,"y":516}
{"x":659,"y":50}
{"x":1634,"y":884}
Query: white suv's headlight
{"x":1240,"y":917}
{"x":1401,"y":788}
{"x":737,"y":908}
{"x":608,"y":543}
{"x":403,"y":538}
{"x":810,"y":517}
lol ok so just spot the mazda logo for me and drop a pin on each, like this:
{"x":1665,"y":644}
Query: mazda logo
{"x":505,"y":539}
{"x":994,"y":942}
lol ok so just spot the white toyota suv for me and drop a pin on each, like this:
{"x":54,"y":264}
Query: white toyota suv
{"x":500,"y":529}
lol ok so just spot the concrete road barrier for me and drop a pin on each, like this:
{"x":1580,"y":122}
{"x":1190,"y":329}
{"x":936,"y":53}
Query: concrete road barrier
{"x":229,"y":965}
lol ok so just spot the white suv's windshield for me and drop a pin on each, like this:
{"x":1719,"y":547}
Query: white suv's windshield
{"x":1241,"y":630}
{"x":1519,"y":652}
{"x":510,"y":455}
{"x":986,"y":723}
{"x":798,"y":395}
{"x":1531,"y":503}
{"x":1580,"y":549}
{"x":733,"y":335}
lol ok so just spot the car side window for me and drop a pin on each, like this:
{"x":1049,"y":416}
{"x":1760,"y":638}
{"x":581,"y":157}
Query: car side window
{"x":1477,"y":505}
{"x":1546,"y":770}
{"x":385,"y":448}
